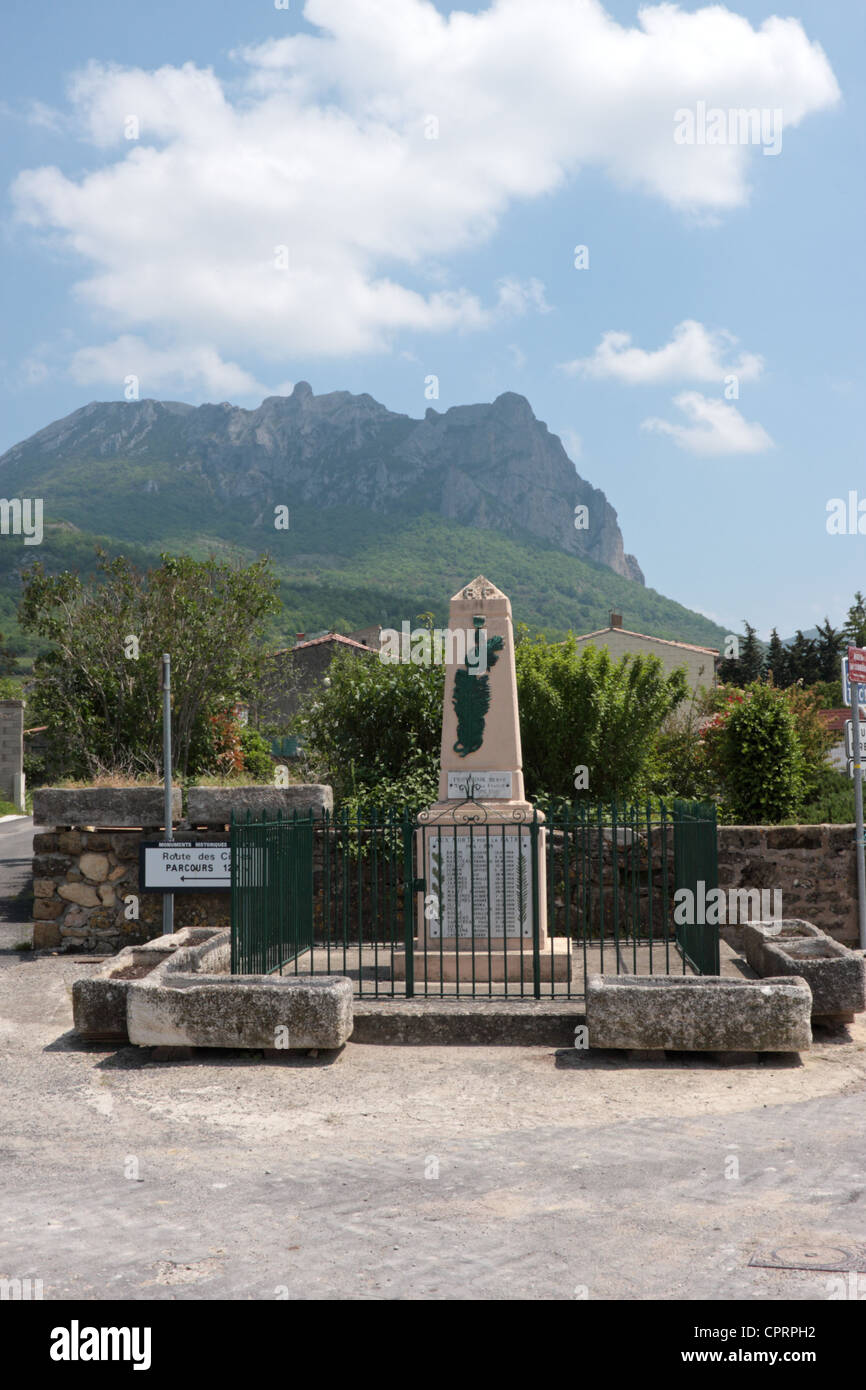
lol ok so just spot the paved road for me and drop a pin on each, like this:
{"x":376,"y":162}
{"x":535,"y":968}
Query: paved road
{"x":416,"y":1172}
{"x":16,"y":853}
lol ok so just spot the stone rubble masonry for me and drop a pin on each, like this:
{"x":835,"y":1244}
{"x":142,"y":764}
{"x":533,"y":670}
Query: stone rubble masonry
{"x":814,"y":866}
{"x":85,"y":868}
{"x":80,"y":897}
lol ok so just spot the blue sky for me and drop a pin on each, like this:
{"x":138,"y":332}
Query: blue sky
{"x":409,"y":257}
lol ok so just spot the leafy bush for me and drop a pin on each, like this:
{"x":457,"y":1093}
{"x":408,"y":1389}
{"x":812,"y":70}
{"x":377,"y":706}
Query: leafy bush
{"x":677,"y":766}
{"x":98,"y":685}
{"x":831,"y":800}
{"x":377,"y":727}
{"x":256,"y":752}
{"x":754,"y":750}
{"x":579,"y":707}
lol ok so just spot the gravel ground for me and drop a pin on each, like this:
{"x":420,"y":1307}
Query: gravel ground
{"x":416,"y":1172}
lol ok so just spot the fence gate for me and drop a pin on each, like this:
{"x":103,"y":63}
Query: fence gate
{"x":696,"y":862}
{"x":272,"y":893}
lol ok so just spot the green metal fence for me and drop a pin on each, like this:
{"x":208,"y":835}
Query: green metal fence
{"x":408,"y":906}
{"x":272,"y":893}
{"x":696,"y":867}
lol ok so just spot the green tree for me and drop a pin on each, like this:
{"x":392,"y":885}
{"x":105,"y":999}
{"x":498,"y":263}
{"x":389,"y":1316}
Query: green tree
{"x":829,"y":649}
{"x":377,"y":728}
{"x":803,"y":664}
{"x":579,"y":708}
{"x":747,"y":666}
{"x":776,"y":664}
{"x":98,"y":687}
{"x":854,"y":627}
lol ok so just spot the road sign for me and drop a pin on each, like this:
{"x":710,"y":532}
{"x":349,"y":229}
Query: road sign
{"x":184,"y":866}
{"x":849,"y":739}
{"x":846,"y":688}
{"x":850,"y":767}
{"x":857,"y":663}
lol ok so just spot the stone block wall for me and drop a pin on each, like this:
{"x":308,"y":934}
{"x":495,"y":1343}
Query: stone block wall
{"x":814,"y":866}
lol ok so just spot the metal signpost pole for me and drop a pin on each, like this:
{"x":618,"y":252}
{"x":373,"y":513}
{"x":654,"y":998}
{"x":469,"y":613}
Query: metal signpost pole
{"x":854,"y":676}
{"x":168,"y":898}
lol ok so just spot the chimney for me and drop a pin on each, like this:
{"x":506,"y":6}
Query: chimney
{"x":616,"y":620}
{"x":299,"y":636}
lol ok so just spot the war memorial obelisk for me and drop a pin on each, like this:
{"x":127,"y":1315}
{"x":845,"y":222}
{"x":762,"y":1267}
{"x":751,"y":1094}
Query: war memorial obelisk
{"x":477,"y":852}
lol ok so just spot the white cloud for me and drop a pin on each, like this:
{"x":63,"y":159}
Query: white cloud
{"x":716,"y":427}
{"x":321,"y":147}
{"x":194,"y":367}
{"x":518,"y":296}
{"x":572,"y":443}
{"x":695,"y":353}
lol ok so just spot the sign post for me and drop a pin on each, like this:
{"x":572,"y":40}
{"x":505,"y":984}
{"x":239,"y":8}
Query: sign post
{"x":168,"y":899}
{"x":856,"y":674}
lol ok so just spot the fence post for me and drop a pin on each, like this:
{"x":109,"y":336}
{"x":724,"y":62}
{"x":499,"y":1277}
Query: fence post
{"x":233,"y":899}
{"x":536,"y":941}
{"x":408,"y":903}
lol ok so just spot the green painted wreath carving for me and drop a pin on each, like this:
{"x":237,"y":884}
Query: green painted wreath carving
{"x":471,"y":698}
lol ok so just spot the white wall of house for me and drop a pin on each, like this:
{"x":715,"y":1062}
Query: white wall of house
{"x":699,"y":662}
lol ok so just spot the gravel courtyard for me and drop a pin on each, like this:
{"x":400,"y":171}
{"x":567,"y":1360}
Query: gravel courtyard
{"x":416,"y":1173}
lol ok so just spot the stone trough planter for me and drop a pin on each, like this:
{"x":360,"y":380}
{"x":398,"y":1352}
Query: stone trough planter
{"x":177,"y":992}
{"x":99,"y":1000}
{"x":755,"y":935}
{"x":214,"y":805}
{"x":835,"y":975}
{"x":103,"y":806}
{"x":698,"y":1013}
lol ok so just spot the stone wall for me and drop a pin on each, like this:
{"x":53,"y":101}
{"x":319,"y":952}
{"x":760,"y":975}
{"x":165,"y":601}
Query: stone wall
{"x":86,"y":894}
{"x":813,"y":865}
{"x":86,"y":881}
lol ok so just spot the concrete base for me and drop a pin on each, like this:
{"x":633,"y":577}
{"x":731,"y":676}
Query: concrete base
{"x":499,"y":965}
{"x":707,"y":1013}
{"x":459,"y":1022}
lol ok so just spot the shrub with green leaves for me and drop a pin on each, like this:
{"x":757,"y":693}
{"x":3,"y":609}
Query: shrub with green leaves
{"x":579,"y":707}
{"x":377,"y":728}
{"x":98,"y":685}
{"x":754,"y":749}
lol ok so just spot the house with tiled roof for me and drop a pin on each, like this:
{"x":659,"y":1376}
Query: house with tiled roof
{"x":699,"y":662}
{"x":835,"y":720}
{"x":295,"y":673}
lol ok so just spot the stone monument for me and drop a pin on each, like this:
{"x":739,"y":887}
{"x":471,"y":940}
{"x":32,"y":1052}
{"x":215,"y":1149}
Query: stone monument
{"x":478,"y":853}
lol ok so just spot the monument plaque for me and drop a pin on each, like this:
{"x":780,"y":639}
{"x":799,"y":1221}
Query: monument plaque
{"x":480,"y":785}
{"x":481,"y":883}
